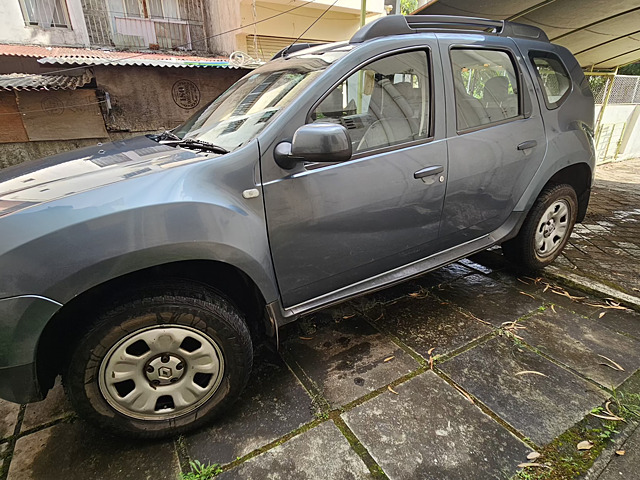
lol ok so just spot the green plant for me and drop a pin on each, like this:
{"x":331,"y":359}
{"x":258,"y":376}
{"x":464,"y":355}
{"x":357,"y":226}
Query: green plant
{"x":628,"y":404}
{"x":199,"y":471}
{"x":608,"y":431}
{"x":408,"y":6}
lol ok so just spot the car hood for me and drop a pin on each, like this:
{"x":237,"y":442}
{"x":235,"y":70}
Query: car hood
{"x":51,"y":178}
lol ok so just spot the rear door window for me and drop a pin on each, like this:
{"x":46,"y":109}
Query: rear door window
{"x":486,"y":87}
{"x":552,"y":76}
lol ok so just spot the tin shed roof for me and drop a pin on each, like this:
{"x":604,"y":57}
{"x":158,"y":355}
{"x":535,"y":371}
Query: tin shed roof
{"x":85,"y":56}
{"x":33,"y":82}
{"x":601,"y":34}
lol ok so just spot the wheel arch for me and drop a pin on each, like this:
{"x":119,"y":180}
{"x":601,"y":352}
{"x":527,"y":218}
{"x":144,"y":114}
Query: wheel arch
{"x":579,"y":176}
{"x":69,"y":323}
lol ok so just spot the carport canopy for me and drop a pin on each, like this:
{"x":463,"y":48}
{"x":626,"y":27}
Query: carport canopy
{"x":602,"y":34}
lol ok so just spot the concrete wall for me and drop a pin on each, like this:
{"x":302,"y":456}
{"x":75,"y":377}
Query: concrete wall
{"x":148,"y":98}
{"x":337,"y":24}
{"x":14,"y":30}
{"x":144,"y":100}
{"x":620,"y":125}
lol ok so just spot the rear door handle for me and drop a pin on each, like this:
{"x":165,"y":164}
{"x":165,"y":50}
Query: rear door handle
{"x":429,"y":171}
{"x":527,"y":144}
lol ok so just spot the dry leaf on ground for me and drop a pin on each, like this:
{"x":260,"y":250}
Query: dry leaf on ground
{"x":530,"y":464}
{"x":388,"y":359}
{"x":585,"y":445}
{"x":613,"y":365}
{"x":392,"y":390}
{"x":620,"y":452}
{"x":524,"y":372}
{"x":306,"y":338}
{"x":533,"y":456}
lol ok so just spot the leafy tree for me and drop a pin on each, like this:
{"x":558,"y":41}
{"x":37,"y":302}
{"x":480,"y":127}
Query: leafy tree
{"x":408,"y":6}
{"x":632,"y":69}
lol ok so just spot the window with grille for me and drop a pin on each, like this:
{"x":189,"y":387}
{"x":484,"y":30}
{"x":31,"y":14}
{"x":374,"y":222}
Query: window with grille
{"x":46,"y":13}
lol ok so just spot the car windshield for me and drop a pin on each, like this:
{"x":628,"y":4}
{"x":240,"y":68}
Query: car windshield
{"x":240,"y":113}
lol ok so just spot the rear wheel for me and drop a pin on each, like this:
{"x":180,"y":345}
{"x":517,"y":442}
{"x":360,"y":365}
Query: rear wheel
{"x":546,"y":229}
{"x":163,"y":363}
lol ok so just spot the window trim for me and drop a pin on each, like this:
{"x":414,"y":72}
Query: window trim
{"x":519,"y":78}
{"x":388,"y":148}
{"x":65,"y":13}
{"x":545,"y":54}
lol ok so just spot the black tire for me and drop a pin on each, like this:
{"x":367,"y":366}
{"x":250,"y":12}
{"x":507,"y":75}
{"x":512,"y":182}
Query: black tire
{"x":209,"y":325}
{"x":524,"y":250}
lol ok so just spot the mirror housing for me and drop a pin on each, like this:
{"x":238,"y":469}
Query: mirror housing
{"x":315,"y":142}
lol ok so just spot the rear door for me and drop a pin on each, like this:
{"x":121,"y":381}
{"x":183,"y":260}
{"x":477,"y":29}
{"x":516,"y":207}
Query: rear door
{"x":495,"y":133}
{"x":332,"y":225}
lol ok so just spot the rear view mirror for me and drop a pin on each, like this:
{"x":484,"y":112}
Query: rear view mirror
{"x":316,"y":142}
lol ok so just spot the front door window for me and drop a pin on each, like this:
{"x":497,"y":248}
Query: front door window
{"x":385,"y":103}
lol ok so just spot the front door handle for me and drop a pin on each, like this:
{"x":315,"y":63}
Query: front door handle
{"x":527,"y":144}
{"x":429,"y":171}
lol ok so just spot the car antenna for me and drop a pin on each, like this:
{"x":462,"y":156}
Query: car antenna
{"x":286,"y":50}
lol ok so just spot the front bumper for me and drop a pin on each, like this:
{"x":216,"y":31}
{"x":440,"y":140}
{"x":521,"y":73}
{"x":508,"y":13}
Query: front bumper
{"x":22,"y":320}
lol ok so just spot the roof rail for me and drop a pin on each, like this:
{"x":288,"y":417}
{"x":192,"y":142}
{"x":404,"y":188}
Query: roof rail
{"x":402,"y":25}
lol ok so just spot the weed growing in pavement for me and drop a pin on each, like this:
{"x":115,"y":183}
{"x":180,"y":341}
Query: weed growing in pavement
{"x":628,"y":404}
{"x":199,"y":471}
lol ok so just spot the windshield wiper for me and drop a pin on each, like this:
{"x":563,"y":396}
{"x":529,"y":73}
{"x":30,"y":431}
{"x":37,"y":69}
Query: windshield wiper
{"x":196,"y":145}
{"x":167,"y":134}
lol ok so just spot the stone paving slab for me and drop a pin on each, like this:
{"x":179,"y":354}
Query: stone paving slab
{"x":75,"y":451}
{"x":578,"y":343}
{"x":430,"y":431}
{"x":54,"y":407}
{"x":273,"y":404}
{"x":322,"y":452}
{"x":488,"y":299}
{"x":345,"y":359}
{"x":427,"y":322}
{"x":624,"y":321}
{"x":539,"y":406}
{"x":8,"y":418}
{"x":624,"y":467}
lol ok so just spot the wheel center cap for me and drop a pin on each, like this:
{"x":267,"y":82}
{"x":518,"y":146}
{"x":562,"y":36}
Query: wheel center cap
{"x":549,"y":228}
{"x":164,"y":369}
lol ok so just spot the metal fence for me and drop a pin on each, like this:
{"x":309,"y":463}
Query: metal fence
{"x":625,"y":88}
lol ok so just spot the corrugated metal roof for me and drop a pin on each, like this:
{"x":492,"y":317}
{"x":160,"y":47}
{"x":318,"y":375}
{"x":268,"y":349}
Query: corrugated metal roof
{"x":27,"y":81}
{"x":86,"y":56}
{"x":601,"y":34}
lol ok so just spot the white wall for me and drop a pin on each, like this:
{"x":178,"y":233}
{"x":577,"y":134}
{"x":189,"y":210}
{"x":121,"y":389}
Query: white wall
{"x":623,"y":120}
{"x":13,"y":28}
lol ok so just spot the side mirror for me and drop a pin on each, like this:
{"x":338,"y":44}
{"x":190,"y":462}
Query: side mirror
{"x":316,"y":142}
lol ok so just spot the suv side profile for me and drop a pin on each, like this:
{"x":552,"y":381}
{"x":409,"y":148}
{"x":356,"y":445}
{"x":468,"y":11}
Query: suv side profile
{"x":143,"y":271}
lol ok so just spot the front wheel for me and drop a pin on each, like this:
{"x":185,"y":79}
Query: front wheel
{"x":161,"y":364}
{"x":546,"y":229}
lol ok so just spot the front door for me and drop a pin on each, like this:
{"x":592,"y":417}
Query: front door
{"x":496,"y":137}
{"x":332,"y":225}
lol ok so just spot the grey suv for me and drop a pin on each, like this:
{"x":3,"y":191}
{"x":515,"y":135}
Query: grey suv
{"x":145,"y":270}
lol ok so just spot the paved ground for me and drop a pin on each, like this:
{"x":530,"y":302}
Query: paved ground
{"x":457,"y":375}
{"x":605,"y":248}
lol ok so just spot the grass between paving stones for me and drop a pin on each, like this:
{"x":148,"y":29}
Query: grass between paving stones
{"x":561,"y":459}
